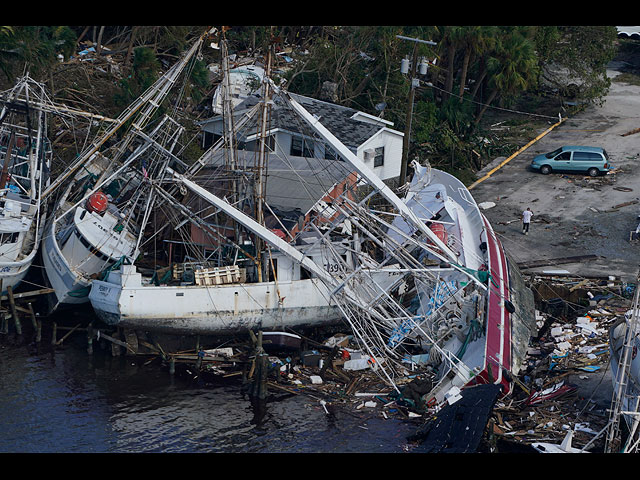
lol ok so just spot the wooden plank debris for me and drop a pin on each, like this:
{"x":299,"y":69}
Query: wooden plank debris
{"x":556,"y":261}
{"x":631,"y":132}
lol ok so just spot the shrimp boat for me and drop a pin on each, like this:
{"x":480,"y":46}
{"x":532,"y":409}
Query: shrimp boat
{"x":625,"y":369}
{"x":100,"y":195}
{"x":26,"y":160}
{"x":252,"y":287}
{"x":423,"y":282}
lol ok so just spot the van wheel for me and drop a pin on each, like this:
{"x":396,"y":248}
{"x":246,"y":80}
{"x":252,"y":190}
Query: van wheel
{"x":593,"y":172}
{"x":545,"y":169}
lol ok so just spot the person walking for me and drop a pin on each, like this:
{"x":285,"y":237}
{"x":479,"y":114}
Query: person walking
{"x":526,"y":220}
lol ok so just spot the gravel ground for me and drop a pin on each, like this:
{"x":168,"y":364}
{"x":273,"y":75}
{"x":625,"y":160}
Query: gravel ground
{"x":575,"y":214}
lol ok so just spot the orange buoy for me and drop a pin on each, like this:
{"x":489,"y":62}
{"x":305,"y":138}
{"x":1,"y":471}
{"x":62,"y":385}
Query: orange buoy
{"x":97,"y":202}
{"x":440,"y":231}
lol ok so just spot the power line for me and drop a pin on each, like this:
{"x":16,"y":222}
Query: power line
{"x":424,"y":84}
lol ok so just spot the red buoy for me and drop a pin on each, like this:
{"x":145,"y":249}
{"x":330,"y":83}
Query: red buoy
{"x":440,"y":232}
{"x":97,"y":202}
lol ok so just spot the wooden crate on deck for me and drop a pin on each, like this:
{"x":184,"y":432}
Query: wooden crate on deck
{"x":220,"y":275}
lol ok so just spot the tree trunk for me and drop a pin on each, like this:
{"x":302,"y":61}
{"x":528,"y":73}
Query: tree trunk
{"x":134,"y":32}
{"x":478,"y":83}
{"x":84,"y":32}
{"x":463,"y":74}
{"x":486,"y":105}
{"x":451,"y":54}
{"x":99,"y":43}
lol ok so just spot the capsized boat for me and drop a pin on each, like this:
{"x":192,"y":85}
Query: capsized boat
{"x":25,"y":153}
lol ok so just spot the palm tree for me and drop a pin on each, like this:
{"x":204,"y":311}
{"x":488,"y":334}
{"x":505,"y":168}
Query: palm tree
{"x":512,"y":68}
{"x":477,"y":40}
{"x":32,"y":47}
{"x":452,"y":36}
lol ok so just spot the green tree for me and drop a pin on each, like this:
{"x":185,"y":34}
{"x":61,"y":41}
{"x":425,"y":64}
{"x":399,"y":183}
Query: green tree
{"x":143,"y":74}
{"x":33,"y":48}
{"x":512,"y":66}
{"x":476,"y":41}
{"x":573,"y":59}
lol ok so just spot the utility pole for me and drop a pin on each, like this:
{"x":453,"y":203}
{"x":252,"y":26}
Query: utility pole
{"x":414,"y":83}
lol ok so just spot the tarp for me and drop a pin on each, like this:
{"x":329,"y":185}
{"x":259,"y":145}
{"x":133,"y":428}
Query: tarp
{"x":459,"y":427}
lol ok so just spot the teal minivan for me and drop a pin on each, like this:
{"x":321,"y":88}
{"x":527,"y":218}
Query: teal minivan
{"x":592,"y":160}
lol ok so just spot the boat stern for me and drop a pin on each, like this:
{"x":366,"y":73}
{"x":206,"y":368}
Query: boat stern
{"x":105,"y":300}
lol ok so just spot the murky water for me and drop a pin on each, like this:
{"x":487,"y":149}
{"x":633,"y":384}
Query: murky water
{"x":72,"y":402}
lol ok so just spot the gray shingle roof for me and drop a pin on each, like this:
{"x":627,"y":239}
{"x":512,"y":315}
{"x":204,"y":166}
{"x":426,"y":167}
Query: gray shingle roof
{"x":336,"y":118}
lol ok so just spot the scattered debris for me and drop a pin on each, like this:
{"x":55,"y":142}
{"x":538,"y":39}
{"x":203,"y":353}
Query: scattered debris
{"x":564,"y":447}
{"x":486,"y":205}
{"x":631,"y":132}
{"x":548,"y":413}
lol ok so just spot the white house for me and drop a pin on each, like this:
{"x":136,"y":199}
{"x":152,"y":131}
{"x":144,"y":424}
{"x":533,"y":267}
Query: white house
{"x":371,"y":138}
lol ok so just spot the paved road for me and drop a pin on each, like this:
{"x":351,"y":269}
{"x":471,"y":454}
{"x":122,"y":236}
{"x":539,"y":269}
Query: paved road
{"x":575,"y":214}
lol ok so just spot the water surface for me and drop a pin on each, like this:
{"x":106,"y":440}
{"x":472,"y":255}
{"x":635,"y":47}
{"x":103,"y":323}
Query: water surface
{"x":68,"y":401}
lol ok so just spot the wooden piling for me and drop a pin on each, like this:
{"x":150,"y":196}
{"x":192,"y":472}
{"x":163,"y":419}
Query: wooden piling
{"x":328,"y":361}
{"x":38,"y":330}
{"x":32,"y":315}
{"x":14,"y":314}
{"x":262,"y":377}
{"x":259,"y":386}
{"x":54,"y":334}
{"x":37,"y":324}
{"x":90,"y":338}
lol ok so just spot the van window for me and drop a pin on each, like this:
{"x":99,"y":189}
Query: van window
{"x":606,"y":155}
{"x":587,"y":157}
{"x":554,"y":153}
{"x":564,"y":156}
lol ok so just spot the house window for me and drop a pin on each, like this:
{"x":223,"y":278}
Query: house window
{"x":271,"y":143}
{"x":209,"y":139}
{"x":301,"y":147}
{"x":378,"y":159}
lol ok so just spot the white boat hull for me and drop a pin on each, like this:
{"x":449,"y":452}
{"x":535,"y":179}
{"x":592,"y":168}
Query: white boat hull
{"x":12,"y":274}
{"x":70,"y":289}
{"x":221,"y":309}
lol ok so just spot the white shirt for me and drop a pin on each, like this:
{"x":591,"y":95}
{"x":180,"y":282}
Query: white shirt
{"x":526,"y":216}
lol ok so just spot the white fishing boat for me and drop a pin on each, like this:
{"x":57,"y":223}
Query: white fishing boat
{"x":423,"y":282}
{"x":241,"y":81}
{"x":25,"y":155}
{"x":269,"y":290}
{"x":93,"y":225}
{"x":219,"y":300}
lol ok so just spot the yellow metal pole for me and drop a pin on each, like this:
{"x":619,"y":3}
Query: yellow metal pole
{"x":504,"y":162}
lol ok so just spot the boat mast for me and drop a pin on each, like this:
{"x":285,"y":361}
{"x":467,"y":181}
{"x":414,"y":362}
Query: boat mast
{"x":231,"y":161}
{"x":372,"y":179}
{"x":147,"y":102}
{"x":265,"y":114}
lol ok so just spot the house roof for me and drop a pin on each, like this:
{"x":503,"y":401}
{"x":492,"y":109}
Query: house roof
{"x":339,"y":120}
